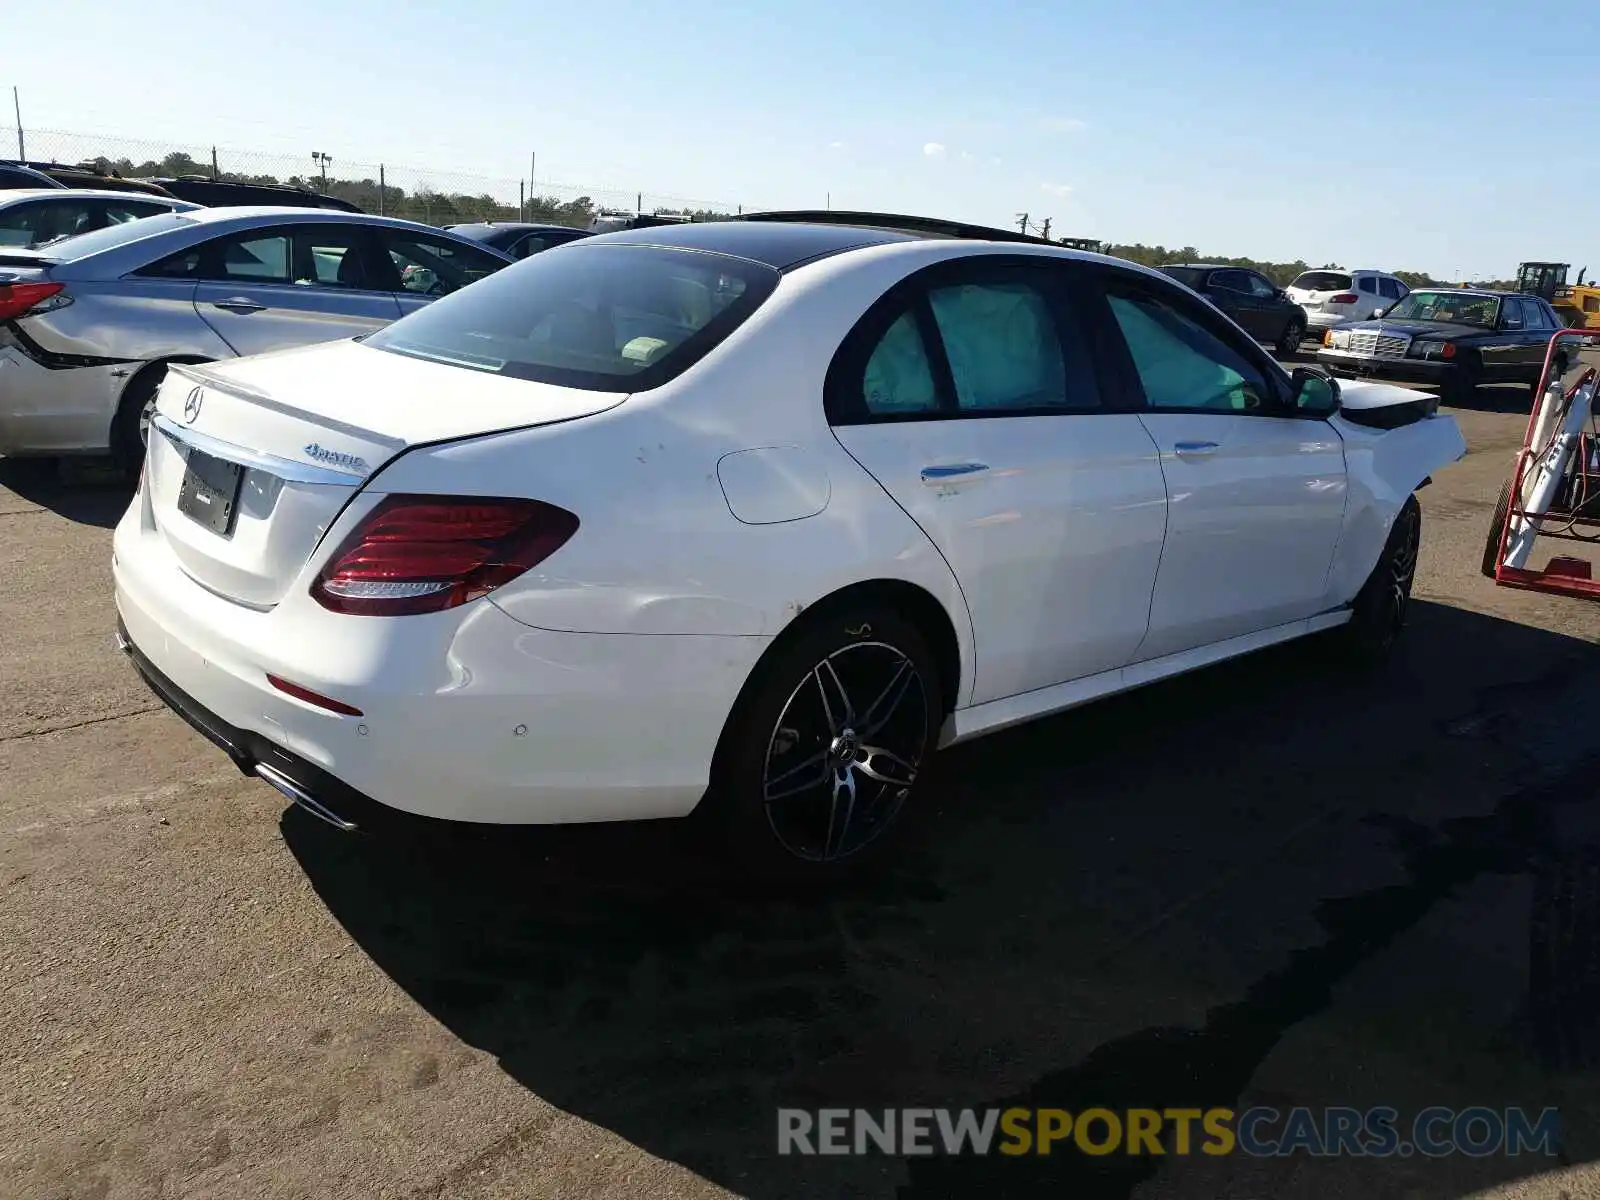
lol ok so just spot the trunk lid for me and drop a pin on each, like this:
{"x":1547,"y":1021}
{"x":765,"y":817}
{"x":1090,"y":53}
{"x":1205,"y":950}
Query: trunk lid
{"x":250,"y":461}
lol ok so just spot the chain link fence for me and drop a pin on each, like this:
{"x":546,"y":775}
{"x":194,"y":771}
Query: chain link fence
{"x":423,"y":194}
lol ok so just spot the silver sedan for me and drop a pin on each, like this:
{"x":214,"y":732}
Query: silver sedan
{"x":89,"y":325}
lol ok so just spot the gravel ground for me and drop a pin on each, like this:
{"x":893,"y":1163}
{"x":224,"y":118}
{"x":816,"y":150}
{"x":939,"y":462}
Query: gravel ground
{"x":1278,"y":881}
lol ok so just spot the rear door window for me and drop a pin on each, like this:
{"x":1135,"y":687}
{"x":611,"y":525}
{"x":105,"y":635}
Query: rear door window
{"x":250,"y":258}
{"x":1389,"y":289}
{"x":1511,"y":314}
{"x":118,"y":212}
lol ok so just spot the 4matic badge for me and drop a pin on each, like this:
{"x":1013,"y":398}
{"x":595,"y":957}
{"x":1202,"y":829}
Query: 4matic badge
{"x":334,"y":458}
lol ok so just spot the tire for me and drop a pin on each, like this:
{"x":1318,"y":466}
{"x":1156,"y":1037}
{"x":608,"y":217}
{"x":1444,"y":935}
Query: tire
{"x":1559,"y":370}
{"x":1461,"y":387}
{"x":130,"y":426}
{"x":804,"y":792}
{"x":1379,"y":613}
{"x":1291,"y":337}
{"x":1497,"y":523}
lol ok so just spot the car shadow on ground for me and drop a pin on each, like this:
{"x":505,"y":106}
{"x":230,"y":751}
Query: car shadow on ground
{"x":88,"y":491}
{"x":1025,"y":947}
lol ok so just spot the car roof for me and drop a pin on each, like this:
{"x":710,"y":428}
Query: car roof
{"x":68,"y":194}
{"x":519,"y":226}
{"x":291,"y":213}
{"x":780,"y":245}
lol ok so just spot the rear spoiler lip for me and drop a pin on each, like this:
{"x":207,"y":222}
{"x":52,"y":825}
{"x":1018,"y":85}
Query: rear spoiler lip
{"x":207,"y":377}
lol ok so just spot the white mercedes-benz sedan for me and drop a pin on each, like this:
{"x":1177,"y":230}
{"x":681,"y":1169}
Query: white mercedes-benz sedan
{"x":747,"y":518}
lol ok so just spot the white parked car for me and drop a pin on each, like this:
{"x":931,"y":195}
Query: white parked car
{"x":1332,"y":296}
{"x":31,"y":218}
{"x":753,"y":515}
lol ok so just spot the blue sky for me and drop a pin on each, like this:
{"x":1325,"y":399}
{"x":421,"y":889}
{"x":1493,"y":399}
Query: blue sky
{"x":1401,"y":135}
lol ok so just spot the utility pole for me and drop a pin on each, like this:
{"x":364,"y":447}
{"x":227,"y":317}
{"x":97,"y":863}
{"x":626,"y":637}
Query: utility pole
{"x":830,"y":201}
{"x":1022,"y":222}
{"x":16,"y":104}
{"x":322,"y":160}
{"x":215,"y":174}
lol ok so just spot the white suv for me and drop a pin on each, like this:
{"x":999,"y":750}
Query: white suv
{"x":1333,"y":296}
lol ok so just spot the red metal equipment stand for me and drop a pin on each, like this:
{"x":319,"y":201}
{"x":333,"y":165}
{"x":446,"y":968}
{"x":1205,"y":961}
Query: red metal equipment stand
{"x":1577,"y":506}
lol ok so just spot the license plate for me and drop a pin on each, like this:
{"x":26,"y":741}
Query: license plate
{"x":210,"y":492}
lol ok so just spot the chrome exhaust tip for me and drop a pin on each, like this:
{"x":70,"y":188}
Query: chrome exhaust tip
{"x":271,"y":775}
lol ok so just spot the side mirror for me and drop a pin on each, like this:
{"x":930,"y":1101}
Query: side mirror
{"x":1316,"y":393}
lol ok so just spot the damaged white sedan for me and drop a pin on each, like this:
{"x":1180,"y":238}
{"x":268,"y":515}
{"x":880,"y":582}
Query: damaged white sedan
{"x":750,"y":518}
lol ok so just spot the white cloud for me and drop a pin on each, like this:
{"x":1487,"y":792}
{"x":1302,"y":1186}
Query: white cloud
{"x":1056,"y":189}
{"x":835,"y":145}
{"x":933,"y":150}
{"x":1063,"y":124}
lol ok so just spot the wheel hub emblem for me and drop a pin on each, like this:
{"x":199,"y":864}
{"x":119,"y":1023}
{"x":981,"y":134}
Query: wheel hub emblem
{"x":845,"y":747}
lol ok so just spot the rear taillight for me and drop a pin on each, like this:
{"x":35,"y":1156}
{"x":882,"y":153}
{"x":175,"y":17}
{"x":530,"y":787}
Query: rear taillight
{"x":422,"y":554}
{"x":1343,"y":298}
{"x":1448,"y":350}
{"x":18,"y":298}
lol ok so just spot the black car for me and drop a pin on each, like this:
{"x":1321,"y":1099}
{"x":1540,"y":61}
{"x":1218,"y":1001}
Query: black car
{"x":517,"y":239}
{"x":1452,"y":337}
{"x":14,"y":176}
{"x":83,"y":175}
{"x":1260,"y":307}
{"x":219,"y":193}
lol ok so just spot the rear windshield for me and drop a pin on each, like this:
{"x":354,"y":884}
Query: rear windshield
{"x":73,"y":248}
{"x":602,"y":317}
{"x":1191,"y":277}
{"x":1322,"y":281}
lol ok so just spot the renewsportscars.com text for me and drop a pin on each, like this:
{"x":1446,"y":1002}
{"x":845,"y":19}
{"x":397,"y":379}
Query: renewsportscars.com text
{"x":1257,"y":1132}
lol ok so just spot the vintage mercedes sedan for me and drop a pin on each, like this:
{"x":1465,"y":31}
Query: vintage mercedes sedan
{"x":1452,"y":338}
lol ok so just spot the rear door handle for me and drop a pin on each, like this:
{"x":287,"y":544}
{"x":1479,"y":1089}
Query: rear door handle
{"x":1195,"y":449}
{"x":948,"y":471}
{"x":241,"y":304}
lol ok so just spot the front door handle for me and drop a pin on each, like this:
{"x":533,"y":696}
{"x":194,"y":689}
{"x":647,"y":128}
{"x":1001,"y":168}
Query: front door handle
{"x":948,"y":471}
{"x":1195,"y":449}
{"x":242,"y":304}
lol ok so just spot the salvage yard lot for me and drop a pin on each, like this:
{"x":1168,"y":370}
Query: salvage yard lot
{"x":1279,"y":881}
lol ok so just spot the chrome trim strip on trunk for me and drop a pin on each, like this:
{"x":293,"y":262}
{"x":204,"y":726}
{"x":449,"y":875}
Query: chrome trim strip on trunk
{"x":284,"y":468}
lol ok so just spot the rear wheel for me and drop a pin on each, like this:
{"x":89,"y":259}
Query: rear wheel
{"x":130,"y":428}
{"x":828,"y":746}
{"x":1384,"y":601}
{"x":1293,"y":334}
{"x":1497,"y":524}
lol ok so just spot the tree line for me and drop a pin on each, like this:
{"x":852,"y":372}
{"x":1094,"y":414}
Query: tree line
{"x":424,"y":203}
{"x":437,"y":207}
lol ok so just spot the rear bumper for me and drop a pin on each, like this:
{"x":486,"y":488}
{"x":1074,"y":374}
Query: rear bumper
{"x":63,"y":410}
{"x":1317,"y":319}
{"x":466,"y":716}
{"x":322,"y":795}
